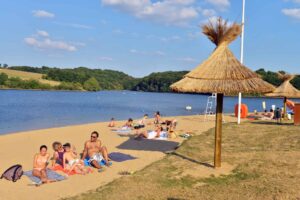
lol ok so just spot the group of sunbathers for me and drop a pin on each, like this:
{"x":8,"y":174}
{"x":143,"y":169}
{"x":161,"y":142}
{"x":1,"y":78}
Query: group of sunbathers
{"x":159,"y":130}
{"x":66,"y":157}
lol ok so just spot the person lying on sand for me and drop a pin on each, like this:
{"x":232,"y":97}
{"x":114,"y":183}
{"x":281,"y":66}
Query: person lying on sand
{"x":157,"y":133}
{"x":58,"y":154}
{"x":71,"y":162}
{"x":95,"y":151}
{"x":40,"y":163}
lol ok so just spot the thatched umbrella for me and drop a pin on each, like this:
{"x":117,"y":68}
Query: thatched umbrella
{"x":221,"y":73}
{"x":285,"y":90}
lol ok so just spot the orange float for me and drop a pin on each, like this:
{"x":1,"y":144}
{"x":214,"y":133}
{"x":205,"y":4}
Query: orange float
{"x":244,"y":110}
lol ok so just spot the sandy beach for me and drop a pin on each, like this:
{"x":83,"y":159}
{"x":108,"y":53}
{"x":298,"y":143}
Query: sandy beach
{"x":19,"y":148}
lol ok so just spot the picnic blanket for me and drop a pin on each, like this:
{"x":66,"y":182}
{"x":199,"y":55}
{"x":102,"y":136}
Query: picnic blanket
{"x":120,"y":157}
{"x":50,"y":173}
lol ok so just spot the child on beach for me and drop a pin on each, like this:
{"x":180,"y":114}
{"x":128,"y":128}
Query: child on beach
{"x":58,"y":154}
{"x":71,"y":162}
{"x":112,"y":123}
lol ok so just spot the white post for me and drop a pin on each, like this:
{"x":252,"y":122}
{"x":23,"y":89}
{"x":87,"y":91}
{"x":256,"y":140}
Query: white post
{"x":242,"y":60}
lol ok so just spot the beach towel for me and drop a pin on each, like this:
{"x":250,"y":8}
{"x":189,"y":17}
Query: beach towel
{"x":50,"y":173}
{"x":60,"y":168}
{"x":120,"y":157}
{"x":86,"y":162}
{"x":122,"y":131}
{"x":152,"y":135}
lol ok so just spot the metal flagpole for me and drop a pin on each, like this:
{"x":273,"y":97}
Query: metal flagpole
{"x":242,"y":60}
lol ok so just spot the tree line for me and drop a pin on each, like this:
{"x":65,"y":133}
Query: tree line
{"x":83,"y":78}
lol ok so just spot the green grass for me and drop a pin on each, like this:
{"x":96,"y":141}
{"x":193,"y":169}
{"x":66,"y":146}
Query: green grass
{"x":266,"y":156}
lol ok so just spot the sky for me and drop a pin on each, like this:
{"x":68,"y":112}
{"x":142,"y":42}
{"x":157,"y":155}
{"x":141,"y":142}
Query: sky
{"x":139,"y":37}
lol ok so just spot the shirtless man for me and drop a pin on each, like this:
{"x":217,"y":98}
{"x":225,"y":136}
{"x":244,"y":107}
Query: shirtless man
{"x":95,"y":151}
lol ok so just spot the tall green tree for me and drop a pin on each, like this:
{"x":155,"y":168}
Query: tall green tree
{"x":91,"y":85}
{"x":3,"y":78}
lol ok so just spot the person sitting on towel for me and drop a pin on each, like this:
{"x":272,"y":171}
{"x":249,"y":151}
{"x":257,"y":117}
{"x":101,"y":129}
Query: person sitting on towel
{"x":71,"y":162}
{"x":142,"y":123}
{"x":128,"y":124}
{"x":40,"y":163}
{"x":112,"y":123}
{"x":96,"y":152}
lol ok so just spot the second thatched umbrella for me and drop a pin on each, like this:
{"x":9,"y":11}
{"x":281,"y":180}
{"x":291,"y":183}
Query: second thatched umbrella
{"x":285,"y":90}
{"x":221,"y":73}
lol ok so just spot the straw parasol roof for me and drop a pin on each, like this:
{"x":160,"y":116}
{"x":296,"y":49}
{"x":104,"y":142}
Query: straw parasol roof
{"x":286,"y":89}
{"x":222,"y":72}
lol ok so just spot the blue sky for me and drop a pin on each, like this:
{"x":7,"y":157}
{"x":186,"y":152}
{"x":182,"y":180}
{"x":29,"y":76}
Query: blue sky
{"x":143,"y":36}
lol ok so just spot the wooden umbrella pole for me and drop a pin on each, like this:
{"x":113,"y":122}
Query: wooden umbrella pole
{"x":284,"y":108}
{"x":218,"y":130}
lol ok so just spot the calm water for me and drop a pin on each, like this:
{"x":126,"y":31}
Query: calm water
{"x":28,"y":110}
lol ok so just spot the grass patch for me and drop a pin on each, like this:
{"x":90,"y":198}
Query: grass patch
{"x":267,"y":157}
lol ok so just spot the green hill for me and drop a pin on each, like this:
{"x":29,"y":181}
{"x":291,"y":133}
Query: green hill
{"x":102,"y":79}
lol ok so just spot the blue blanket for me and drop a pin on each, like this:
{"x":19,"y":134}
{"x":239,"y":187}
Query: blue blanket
{"x":51,"y":175}
{"x":120,"y":157}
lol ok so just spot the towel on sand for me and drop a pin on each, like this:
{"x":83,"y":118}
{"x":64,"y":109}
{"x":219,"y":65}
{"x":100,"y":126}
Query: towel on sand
{"x":60,"y":168}
{"x":87,"y":163}
{"x":123,"y":130}
{"x":120,"y":157}
{"x":51,"y":175}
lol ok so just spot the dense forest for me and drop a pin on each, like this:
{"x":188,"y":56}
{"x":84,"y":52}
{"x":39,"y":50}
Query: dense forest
{"x":158,"y":82}
{"x":83,"y":78}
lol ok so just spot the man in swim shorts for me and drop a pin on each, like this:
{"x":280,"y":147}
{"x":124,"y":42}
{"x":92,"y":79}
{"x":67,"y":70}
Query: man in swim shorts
{"x":95,"y":151}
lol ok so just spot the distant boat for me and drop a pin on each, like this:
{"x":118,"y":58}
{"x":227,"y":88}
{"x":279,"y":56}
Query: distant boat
{"x":188,"y":107}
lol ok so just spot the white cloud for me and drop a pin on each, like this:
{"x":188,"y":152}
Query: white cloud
{"x":187,"y":59}
{"x":208,"y":12}
{"x":133,"y":51}
{"x":295,"y":1}
{"x":42,"y":33}
{"x":147,"y":53}
{"x":159,"y":53}
{"x":292,"y":12}
{"x":117,"y":31}
{"x":74,"y":25}
{"x":81,"y":44}
{"x":222,"y":4}
{"x":104,"y":58}
{"x":176,"y":12}
{"x":194,"y":35}
{"x":171,"y":38}
{"x":42,"y":14}
{"x":80,"y":26}
{"x":47,"y":43}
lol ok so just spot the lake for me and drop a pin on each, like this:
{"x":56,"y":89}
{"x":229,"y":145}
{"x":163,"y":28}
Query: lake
{"x":22,"y":110}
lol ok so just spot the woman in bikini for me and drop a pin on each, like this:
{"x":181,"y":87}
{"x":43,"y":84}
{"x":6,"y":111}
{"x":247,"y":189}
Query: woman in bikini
{"x":40,"y":163}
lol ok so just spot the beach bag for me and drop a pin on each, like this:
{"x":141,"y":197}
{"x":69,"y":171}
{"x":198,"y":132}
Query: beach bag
{"x":13,"y":173}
